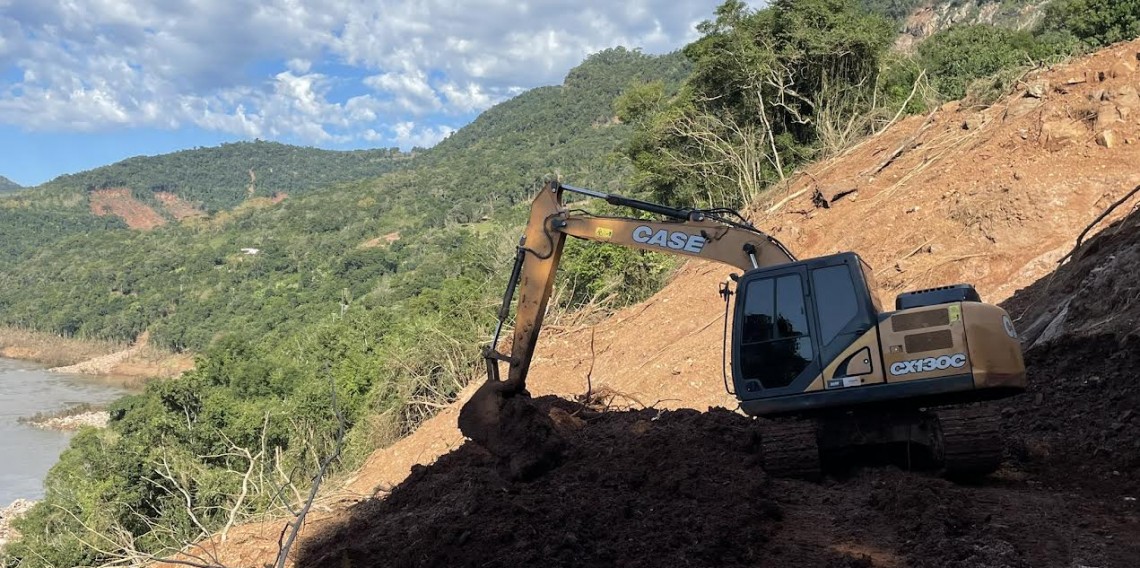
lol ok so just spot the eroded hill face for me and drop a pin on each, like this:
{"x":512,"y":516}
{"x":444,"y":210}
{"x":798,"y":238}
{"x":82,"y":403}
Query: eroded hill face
{"x":931,"y":17}
{"x":989,"y":196}
{"x":992,"y":196}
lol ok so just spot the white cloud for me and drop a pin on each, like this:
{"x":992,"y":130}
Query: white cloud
{"x":407,"y":134}
{"x":314,"y":71}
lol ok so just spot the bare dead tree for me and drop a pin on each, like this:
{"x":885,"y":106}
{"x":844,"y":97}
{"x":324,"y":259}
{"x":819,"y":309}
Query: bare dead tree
{"x":293,"y":528}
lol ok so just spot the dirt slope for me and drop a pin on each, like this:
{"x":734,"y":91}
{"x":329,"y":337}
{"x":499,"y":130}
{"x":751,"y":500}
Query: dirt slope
{"x":177,"y":207}
{"x":1080,"y":417}
{"x":991,"y":196}
{"x":120,"y":203}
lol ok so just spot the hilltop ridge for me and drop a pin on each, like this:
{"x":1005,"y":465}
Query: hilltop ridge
{"x":8,"y":185}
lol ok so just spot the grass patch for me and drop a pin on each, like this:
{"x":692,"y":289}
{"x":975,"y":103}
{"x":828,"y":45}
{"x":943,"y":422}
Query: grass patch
{"x":51,"y":349}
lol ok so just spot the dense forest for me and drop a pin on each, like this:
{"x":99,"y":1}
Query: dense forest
{"x":367,"y":299}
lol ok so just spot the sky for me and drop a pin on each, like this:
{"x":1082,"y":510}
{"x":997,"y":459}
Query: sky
{"x":85,"y":83}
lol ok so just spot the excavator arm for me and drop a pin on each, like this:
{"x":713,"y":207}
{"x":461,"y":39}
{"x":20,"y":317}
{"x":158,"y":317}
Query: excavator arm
{"x":498,"y":416}
{"x":720,"y":235}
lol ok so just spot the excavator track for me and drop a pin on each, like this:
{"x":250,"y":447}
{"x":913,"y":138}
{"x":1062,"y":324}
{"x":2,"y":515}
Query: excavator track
{"x":791,"y":449}
{"x":969,"y":441}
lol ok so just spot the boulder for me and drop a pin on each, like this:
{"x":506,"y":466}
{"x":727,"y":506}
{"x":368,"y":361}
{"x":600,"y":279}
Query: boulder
{"x":974,"y":122}
{"x":1038,"y":89}
{"x":1021,"y":107}
{"x":1108,"y":139}
{"x":1126,"y":97}
{"x":1106,"y":116}
{"x":1057,"y":134}
{"x":1120,"y":70}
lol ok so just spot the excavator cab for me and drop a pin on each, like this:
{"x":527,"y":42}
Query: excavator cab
{"x":792,"y":318}
{"x":811,"y":335}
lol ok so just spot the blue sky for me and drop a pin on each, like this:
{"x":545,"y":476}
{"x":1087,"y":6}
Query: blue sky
{"x":85,"y":83}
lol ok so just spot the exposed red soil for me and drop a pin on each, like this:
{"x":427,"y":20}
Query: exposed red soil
{"x":177,"y":207}
{"x":381,"y":241}
{"x":991,"y":196}
{"x":120,"y":203}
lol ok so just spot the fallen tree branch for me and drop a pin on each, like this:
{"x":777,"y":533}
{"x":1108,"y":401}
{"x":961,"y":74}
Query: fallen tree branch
{"x":907,"y":145}
{"x":913,"y":90}
{"x":1099,"y":218}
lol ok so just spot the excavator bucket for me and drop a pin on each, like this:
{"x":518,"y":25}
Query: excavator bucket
{"x":503,"y":419}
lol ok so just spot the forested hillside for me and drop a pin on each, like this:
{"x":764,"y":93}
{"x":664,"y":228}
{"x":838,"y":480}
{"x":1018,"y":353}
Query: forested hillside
{"x":349,"y":312}
{"x":190,"y":281}
{"x":382,"y":286}
{"x":8,"y":185}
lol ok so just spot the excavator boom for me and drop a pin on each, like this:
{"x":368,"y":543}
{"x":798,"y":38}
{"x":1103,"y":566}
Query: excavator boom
{"x":707,"y":234}
{"x":496,"y":416}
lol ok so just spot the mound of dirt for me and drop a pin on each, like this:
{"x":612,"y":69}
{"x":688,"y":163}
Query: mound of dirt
{"x":1078,"y":426}
{"x":685,"y":488}
{"x":639,"y":488}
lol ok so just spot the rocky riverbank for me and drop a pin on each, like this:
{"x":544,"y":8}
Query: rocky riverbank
{"x":70,"y":422}
{"x":9,"y":514}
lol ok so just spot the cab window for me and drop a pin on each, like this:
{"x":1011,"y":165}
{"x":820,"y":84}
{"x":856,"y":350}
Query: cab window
{"x":775,"y":344}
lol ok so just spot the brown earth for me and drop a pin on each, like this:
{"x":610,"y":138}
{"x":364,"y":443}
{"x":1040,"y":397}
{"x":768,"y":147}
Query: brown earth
{"x":993,"y":196}
{"x":120,"y":203}
{"x":140,"y":360}
{"x":1078,"y":425}
{"x":381,"y":241}
{"x":684,"y":488}
{"x":177,"y":207}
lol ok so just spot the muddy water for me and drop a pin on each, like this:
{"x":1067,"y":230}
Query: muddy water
{"x":26,"y":453}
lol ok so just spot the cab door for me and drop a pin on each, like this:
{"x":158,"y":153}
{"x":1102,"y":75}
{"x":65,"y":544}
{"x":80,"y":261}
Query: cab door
{"x":774,"y":349}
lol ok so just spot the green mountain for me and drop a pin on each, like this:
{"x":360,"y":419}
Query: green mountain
{"x":383,"y":288}
{"x":8,"y":185}
{"x":68,"y":271}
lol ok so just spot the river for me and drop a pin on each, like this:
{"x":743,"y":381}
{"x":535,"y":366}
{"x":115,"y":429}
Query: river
{"x":26,"y":453}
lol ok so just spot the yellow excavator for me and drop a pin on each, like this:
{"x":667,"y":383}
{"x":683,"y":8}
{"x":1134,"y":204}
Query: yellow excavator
{"x":811,"y":345}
